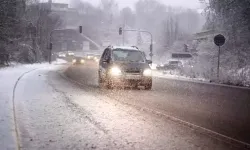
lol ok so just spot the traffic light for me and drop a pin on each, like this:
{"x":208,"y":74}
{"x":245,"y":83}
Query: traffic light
{"x":151,"y":48}
{"x":120,"y":31}
{"x":80,"y":29}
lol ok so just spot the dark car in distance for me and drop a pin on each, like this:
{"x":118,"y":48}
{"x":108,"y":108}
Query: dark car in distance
{"x":124,"y":66}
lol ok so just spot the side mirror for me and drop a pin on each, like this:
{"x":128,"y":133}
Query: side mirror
{"x":149,"y":61}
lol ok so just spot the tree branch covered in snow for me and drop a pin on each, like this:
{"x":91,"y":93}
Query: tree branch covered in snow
{"x":24,"y":29}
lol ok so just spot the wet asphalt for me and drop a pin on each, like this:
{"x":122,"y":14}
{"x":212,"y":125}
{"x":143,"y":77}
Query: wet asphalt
{"x":222,"y":109}
{"x":55,"y":112}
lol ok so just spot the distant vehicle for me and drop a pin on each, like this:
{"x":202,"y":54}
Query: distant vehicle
{"x":78,"y":61}
{"x":69,"y":53}
{"x":61,"y":55}
{"x":124,"y":66}
{"x":93,"y":58}
{"x":171,"y":65}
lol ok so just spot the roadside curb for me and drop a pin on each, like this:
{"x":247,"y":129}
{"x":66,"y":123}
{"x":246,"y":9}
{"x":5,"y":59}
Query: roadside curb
{"x":17,"y":135}
{"x":202,"y":130}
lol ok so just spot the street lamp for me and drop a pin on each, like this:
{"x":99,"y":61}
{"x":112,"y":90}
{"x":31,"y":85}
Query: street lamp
{"x":50,"y":46}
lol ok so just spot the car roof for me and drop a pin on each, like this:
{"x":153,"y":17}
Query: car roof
{"x":125,"y":48}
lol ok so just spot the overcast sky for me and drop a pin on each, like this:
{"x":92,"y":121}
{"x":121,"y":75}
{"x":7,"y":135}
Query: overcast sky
{"x":124,"y":3}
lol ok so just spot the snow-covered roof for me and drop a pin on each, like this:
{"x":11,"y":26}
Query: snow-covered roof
{"x":125,"y":47}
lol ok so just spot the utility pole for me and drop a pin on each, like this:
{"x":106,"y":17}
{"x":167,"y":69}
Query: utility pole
{"x":143,"y":31}
{"x":50,"y":4}
{"x":123,"y":35}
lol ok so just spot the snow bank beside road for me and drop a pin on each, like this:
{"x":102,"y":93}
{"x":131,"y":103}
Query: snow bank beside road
{"x":8,"y":78}
{"x":178,"y":77}
{"x":239,"y":78}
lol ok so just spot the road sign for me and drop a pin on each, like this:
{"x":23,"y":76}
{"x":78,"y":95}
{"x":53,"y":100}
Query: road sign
{"x":219,"y":40}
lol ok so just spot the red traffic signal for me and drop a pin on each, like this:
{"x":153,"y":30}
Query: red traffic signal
{"x":120,"y":31}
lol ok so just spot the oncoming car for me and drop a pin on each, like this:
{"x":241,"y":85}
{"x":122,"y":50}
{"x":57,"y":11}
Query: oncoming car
{"x":69,"y":53}
{"x":93,"y":57}
{"x":78,"y":61}
{"x":61,"y":55}
{"x":124,"y":66}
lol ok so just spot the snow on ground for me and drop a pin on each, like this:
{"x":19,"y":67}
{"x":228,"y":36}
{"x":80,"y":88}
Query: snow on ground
{"x":174,"y":76}
{"x":8,"y":78}
{"x":153,"y":66}
{"x":59,"y":62}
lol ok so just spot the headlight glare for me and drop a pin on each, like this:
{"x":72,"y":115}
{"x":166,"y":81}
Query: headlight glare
{"x":74,"y":60}
{"x":115,"y":71}
{"x":82,"y":61}
{"x":147,"y":72}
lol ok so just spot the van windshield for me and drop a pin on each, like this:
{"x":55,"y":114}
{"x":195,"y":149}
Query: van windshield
{"x":128,"y":55}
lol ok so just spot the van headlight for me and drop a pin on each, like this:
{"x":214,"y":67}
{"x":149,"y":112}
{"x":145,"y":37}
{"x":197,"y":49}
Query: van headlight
{"x":147,"y":72}
{"x":115,"y":71}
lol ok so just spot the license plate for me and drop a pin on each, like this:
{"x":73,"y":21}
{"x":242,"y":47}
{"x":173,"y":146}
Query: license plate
{"x":133,"y":77}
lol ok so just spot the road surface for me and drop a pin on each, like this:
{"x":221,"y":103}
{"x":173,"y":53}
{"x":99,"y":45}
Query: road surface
{"x":222,"y":109}
{"x":54,"y":112}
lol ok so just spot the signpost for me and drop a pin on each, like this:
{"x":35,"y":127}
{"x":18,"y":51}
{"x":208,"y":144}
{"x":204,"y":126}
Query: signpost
{"x":219,"y":40}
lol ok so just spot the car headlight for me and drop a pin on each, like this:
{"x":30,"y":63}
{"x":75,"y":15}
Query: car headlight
{"x":82,"y":61}
{"x":96,"y":59}
{"x":115,"y":71}
{"x":74,"y":60}
{"x":147,"y":72}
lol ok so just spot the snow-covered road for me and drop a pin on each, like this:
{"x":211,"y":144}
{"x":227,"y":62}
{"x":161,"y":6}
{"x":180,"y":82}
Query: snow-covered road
{"x":54,"y":113}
